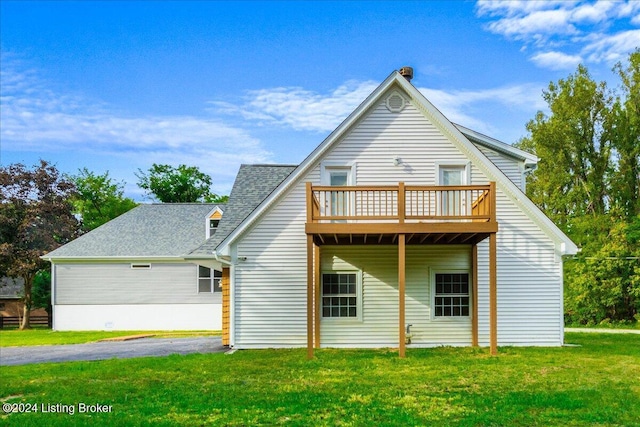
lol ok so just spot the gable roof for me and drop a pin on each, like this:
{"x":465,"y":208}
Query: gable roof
{"x":252,"y":185}
{"x":148,"y":230}
{"x":563,"y":243}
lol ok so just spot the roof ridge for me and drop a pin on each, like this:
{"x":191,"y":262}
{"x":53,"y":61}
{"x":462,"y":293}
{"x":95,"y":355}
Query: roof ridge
{"x":278,"y":165}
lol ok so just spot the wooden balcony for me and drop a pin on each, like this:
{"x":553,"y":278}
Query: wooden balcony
{"x":378,"y":214}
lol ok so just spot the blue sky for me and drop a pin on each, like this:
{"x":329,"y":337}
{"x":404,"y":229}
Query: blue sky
{"x":118,"y":86}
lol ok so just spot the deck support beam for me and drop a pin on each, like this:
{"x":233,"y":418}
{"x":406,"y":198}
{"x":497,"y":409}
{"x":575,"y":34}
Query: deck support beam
{"x":401,"y":295}
{"x":474,"y":295}
{"x":309,"y":296}
{"x":493,"y":298}
{"x":317,"y":284}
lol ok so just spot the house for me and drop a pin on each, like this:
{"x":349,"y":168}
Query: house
{"x":130,"y":273}
{"x":11,"y":292}
{"x":400,"y":229}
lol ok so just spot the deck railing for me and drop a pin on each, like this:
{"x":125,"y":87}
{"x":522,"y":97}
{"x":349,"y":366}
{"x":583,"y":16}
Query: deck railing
{"x":400,"y":203}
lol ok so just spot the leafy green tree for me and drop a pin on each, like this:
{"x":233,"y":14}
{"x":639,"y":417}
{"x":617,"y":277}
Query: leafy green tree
{"x":36,"y":216}
{"x":624,"y":128}
{"x":41,"y":291}
{"x":99,"y":198}
{"x":588,"y":182}
{"x":184,"y":184}
{"x":575,"y":152}
{"x":604,"y":285}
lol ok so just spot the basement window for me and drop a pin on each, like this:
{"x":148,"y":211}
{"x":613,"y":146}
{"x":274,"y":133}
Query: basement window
{"x":451,"y":295}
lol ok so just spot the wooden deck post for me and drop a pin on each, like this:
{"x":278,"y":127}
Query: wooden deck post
{"x":474,"y":295}
{"x":225,"y":283}
{"x":318,"y":300}
{"x":401,"y":203}
{"x":309,"y":296}
{"x":493,"y":298}
{"x":401,"y":295}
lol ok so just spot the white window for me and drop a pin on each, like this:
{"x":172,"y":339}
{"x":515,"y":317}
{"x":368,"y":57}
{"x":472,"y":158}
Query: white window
{"x":450,"y":294}
{"x":212,"y":221}
{"x":208,"y":280}
{"x":341,"y":296}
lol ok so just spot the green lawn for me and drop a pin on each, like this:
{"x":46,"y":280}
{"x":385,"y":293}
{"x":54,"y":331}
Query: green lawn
{"x":9,"y":338}
{"x":595,"y":384}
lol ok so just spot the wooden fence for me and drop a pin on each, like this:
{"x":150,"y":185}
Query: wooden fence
{"x":14,"y":321}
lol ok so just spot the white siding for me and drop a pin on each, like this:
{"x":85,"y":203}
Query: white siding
{"x":270,"y":285}
{"x":509,"y":166}
{"x":138,"y":317}
{"x":378,"y":326}
{"x":118,"y":283}
{"x":529,"y":282}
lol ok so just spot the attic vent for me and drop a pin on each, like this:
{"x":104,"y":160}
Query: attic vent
{"x":395,"y":102}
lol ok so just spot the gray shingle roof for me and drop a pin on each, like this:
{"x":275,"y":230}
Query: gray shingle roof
{"x":11,"y":288}
{"x":163,"y":230}
{"x":252,"y":185}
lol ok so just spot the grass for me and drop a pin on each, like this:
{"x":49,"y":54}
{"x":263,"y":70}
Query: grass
{"x":10,"y":338}
{"x":595,"y":384}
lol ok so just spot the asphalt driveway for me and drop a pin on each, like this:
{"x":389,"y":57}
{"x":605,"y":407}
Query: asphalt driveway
{"x":109,"y":349}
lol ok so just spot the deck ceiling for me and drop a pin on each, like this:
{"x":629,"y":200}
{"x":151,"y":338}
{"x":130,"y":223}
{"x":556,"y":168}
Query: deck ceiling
{"x":392,"y":239}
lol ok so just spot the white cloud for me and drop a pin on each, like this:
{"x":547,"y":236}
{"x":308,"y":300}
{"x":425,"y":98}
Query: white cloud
{"x":613,"y":48}
{"x":458,"y":105}
{"x":556,"y":60}
{"x":298,"y":108}
{"x":596,"y":31}
{"x":38,"y":119}
{"x":511,"y":8}
{"x":537,"y":25}
{"x":301,"y":109}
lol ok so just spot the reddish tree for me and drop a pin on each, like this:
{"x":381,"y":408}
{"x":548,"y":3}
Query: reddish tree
{"x":36,"y":216}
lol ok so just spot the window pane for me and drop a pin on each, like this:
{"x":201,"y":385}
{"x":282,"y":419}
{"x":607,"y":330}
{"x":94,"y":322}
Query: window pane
{"x":217,"y":286}
{"x":451,"y":294}
{"x":339,"y":295}
{"x":338,"y":178}
{"x":204,"y":271}
{"x":204,"y":285}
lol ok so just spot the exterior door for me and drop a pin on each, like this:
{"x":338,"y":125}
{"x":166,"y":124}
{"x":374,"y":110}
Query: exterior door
{"x":339,"y":203}
{"x":452,"y":203}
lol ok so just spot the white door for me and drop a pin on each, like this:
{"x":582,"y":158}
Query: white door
{"x":339,"y":202}
{"x":452,"y":203}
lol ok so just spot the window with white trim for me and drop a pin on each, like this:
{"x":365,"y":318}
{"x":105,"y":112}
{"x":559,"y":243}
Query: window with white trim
{"x":213,"y":226}
{"x":208,"y":280}
{"x":451,"y":295}
{"x":340,"y":295}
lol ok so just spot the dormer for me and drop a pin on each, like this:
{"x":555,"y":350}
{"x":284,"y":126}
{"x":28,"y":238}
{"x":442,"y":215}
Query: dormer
{"x":213,"y":220}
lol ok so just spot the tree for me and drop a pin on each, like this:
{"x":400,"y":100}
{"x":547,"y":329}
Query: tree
{"x":99,"y":199}
{"x":36,"y":216}
{"x":575,"y":152}
{"x":184,"y":184}
{"x":624,"y":128}
{"x":588,"y":182}
{"x":41,"y":291}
